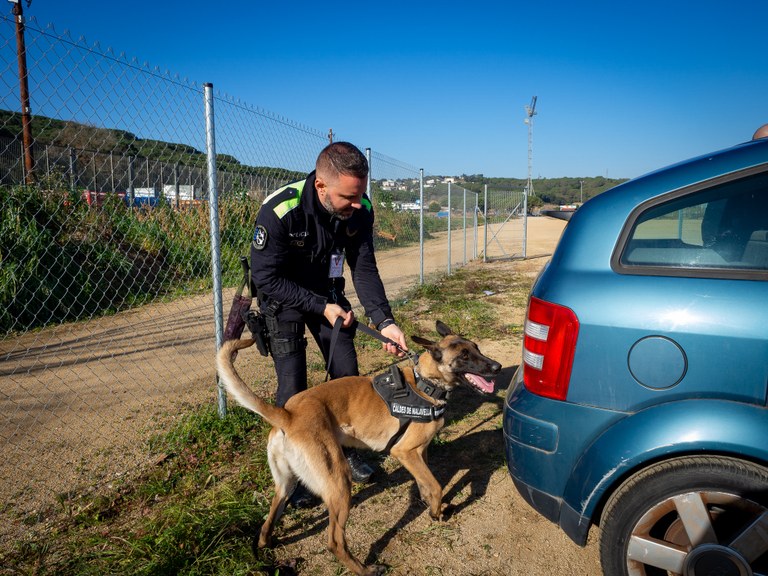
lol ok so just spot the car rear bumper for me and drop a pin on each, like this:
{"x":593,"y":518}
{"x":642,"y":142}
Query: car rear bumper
{"x":571,"y":522}
{"x":543,"y":442}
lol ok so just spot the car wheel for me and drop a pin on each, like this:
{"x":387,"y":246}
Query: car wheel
{"x":695,"y":516}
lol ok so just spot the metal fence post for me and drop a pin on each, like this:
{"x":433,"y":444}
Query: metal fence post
{"x":112,"y":171}
{"x":485,"y":220}
{"x":421,"y":226}
{"x":213,"y":205}
{"x":368,"y":188}
{"x":131,"y":194}
{"x":449,"y":228}
{"x":464,"y":221}
{"x":72,"y":171}
{"x":176,"y":185}
{"x":474,"y":225}
{"x":47,"y":163}
{"x":525,"y":222}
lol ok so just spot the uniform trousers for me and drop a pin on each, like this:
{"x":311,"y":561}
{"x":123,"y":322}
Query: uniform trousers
{"x":291,"y":356}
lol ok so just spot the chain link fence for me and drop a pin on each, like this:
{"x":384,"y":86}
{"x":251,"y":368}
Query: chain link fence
{"x":504,"y":225}
{"x":107,"y":322}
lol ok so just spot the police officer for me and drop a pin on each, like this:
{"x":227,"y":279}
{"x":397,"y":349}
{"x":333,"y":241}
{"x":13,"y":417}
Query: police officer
{"x":305,"y":234}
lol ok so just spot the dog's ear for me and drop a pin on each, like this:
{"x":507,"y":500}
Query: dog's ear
{"x":432,"y":347}
{"x":423,"y":341}
{"x":442,"y":329}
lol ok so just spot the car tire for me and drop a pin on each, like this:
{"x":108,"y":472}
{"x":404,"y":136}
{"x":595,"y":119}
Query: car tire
{"x":693,"y":516}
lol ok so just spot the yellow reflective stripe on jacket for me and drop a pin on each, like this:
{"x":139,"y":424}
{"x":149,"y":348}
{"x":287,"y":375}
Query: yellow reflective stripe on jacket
{"x":286,"y":206}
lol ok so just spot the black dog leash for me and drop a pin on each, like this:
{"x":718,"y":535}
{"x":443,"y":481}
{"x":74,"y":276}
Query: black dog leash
{"x":370,"y":332}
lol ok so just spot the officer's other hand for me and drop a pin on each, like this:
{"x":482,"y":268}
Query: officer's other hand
{"x":334,"y":311}
{"x":394,"y":333}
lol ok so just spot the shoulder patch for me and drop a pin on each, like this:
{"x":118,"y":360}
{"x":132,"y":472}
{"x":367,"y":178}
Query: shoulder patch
{"x":260,"y":237}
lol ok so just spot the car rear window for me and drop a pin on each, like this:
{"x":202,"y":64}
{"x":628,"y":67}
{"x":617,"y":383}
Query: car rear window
{"x":720,"y":228}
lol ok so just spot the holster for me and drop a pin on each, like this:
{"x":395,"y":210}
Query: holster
{"x":258,"y":327}
{"x":282,"y":337}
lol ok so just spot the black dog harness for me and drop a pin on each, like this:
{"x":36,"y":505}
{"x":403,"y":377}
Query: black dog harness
{"x":405,"y":403}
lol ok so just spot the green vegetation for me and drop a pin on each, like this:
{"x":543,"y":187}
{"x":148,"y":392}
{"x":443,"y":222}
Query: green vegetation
{"x":548,"y":191}
{"x":197,"y":510}
{"x":63,"y":260}
{"x":557,"y":191}
{"x":193,"y":513}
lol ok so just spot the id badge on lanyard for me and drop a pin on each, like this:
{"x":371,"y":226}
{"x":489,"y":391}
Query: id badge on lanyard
{"x":337,"y":265}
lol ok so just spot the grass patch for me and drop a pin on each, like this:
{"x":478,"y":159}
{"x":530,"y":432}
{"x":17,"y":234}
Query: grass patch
{"x":194,"y":512}
{"x":197,"y":509}
{"x":462,"y":301}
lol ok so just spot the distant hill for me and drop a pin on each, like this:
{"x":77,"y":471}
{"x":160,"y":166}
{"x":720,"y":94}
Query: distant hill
{"x":64,"y":133}
{"x":557,"y":191}
{"x":50,"y":131}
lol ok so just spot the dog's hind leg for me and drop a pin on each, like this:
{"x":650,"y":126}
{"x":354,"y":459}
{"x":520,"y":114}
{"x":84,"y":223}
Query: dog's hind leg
{"x":285,"y":483}
{"x":338,"y":499}
{"x":324,"y":469}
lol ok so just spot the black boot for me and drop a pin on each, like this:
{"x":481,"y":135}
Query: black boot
{"x":361,"y":472}
{"x":303,"y":498}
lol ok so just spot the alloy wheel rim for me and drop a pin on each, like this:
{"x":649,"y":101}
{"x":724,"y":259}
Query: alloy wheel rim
{"x":698,"y":534}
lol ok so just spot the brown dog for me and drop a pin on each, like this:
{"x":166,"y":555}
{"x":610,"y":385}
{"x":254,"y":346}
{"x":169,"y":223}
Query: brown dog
{"x":307,"y":437}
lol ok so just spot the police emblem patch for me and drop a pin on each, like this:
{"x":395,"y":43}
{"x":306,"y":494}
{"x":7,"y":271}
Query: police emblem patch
{"x":260,"y":237}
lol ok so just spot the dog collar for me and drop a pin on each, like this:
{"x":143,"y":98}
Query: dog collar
{"x":428,"y":387}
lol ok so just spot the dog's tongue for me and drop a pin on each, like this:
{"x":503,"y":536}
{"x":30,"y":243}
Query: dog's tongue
{"x":480,"y":382}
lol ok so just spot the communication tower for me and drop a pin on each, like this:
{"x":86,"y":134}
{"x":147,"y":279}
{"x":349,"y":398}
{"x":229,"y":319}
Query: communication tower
{"x":530,"y":112}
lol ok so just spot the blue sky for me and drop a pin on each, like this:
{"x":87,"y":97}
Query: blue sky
{"x":623,"y":87}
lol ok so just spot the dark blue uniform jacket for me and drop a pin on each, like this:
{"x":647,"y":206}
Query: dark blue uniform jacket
{"x":292,"y":245}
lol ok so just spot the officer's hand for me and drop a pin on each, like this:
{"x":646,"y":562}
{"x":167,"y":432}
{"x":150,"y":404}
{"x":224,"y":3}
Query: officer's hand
{"x":393,"y":332}
{"x":333,"y":311}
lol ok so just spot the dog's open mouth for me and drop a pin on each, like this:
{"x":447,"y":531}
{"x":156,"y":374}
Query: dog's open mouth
{"x":479,"y":382}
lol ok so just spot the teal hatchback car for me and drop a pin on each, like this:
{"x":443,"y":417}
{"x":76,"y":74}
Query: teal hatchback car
{"x":640,"y":402}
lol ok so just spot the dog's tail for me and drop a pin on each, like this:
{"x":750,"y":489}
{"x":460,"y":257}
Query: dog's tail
{"x":235,"y":386}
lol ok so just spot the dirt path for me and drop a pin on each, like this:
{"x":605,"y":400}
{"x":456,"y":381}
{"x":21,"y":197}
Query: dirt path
{"x":79,"y":402}
{"x":491,"y":531}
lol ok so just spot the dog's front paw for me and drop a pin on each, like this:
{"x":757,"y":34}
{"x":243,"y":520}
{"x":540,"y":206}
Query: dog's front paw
{"x":375,"y":570}
{"x":262,"y":540}
{"x":444,"y":514}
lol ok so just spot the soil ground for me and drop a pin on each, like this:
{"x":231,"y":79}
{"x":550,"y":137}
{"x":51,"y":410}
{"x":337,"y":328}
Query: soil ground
{"x":491,"y":529}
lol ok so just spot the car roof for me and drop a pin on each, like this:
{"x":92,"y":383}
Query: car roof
{"x":694,"y":170}
{"x":595,"y":227}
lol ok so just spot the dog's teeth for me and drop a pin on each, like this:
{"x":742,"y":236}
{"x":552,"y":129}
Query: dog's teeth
{"x":480,"y":382}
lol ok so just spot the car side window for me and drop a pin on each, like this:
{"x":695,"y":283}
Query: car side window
{"x":724,"y":227}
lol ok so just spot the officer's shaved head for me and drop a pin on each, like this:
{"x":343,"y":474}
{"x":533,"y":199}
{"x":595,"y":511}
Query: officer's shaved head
{"x":761,"y":132}
{"x":341,"y":158}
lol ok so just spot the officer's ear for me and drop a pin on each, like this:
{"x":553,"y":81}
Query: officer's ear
{"x":320,"y":185}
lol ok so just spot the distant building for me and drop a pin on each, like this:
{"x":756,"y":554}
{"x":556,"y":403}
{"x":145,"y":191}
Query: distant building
{"x":413,"y":206}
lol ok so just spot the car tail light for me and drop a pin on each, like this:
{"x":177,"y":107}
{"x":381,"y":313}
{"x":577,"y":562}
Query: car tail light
{"x":548,"y":347}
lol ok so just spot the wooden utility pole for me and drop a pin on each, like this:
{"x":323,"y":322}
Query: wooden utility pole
{"x":26,"y":112}
{"x":330,"y":136}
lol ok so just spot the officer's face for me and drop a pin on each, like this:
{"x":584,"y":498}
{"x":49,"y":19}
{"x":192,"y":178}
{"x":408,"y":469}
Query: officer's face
{"x":341,"y":195}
